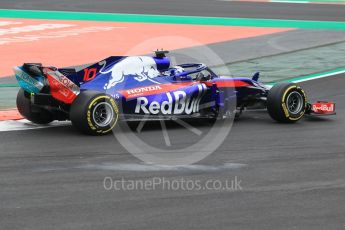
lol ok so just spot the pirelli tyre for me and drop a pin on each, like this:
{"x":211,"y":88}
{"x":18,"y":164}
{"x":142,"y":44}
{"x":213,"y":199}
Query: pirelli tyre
{"x":94,"y":113}
{"x":286,"y":102}
{"x":28,"y":111}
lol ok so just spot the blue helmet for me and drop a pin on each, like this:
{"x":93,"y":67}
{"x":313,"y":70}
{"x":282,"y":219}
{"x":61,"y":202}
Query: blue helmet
{"x":176,"y":70}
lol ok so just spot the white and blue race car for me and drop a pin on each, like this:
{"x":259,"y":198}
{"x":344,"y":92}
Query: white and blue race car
{"x":144,"y":87}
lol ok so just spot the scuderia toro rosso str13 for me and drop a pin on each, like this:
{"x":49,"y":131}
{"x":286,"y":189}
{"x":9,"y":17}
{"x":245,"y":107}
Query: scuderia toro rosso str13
{"x":148,"y":87}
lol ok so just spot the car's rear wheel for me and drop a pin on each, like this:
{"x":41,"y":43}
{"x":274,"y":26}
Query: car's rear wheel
{"x":34,"y":114}
{"x":94,"y":113}
{"x":286,"y":102}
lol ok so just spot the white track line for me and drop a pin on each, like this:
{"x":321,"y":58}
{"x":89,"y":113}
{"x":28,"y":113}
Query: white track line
{"x":320,"y":76}
{"x":308,"y":78}
{"x":26,"y":125}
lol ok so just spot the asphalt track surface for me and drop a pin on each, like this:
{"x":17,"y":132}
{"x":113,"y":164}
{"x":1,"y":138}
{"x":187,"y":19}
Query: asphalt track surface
{"x":293,"y":178}
{"x":292,"y":175}
{"x":214,"y":8}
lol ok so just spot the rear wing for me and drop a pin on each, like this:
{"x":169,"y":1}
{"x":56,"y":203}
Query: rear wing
{"x":30,"y":77}
{"x":34,"y":78}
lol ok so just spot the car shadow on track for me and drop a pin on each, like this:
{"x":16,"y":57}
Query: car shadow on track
{"x":257,"y":118}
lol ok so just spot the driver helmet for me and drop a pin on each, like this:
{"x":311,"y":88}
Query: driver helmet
{"x":176,"y":70}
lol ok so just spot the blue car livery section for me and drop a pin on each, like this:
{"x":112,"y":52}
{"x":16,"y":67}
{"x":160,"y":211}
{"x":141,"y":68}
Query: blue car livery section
{"x":172,"y":103}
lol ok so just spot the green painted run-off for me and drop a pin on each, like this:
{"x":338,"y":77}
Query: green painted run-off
{"x":313,"y":1}
{"x":169,"y":19}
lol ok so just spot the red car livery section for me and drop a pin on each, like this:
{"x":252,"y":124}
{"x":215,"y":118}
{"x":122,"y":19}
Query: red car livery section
{"x":228,"y":84}
{"x":323,"y":107}
{"x":153,"y":89}
{"x":62,"y":88}
{"x":163,"y":88}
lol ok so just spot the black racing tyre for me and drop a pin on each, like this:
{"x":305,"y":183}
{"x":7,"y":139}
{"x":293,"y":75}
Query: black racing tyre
{"x":286,"y":102}
{"x":94,"y":113}
{"x":36,"y":115}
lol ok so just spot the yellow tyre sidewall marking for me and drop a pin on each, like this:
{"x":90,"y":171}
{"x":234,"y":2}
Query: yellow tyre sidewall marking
{"x":114,"y":106}
{"x":286,"y":112}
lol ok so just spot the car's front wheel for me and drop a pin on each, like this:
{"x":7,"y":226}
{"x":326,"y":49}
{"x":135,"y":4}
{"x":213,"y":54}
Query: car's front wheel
{"x":286,"y":102}
{"x":94,"y":113}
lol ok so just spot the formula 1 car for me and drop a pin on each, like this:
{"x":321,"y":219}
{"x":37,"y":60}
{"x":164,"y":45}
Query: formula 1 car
{"x":144,"y":87}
